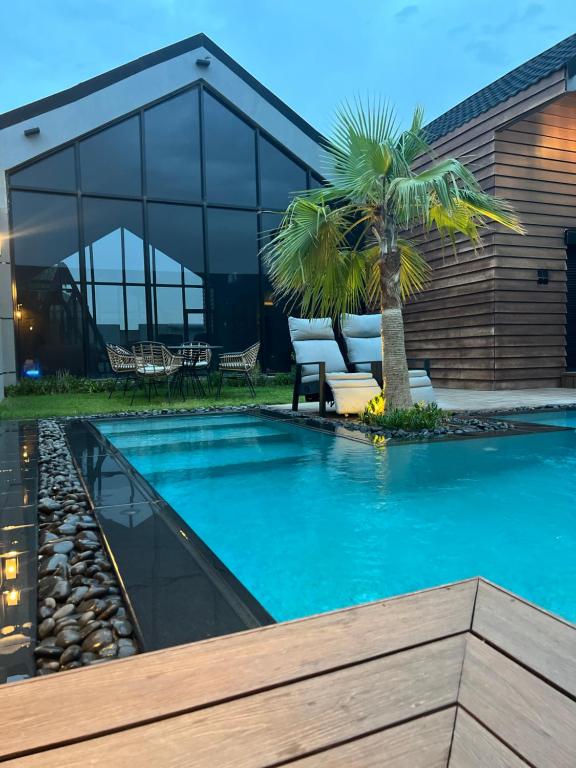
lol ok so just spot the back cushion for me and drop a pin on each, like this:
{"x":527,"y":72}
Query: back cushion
{"x":303,"y":330}
{"x":315,"y":350}
{"x":361,"y":326}
{"x":363,"y":349}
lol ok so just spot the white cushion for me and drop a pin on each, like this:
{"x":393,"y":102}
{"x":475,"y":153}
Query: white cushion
{"x":364,"y":350}
{"x":304,"y":330}
{"x":149,"y":368}
{"x":319,"y":350}
{"x":351,"y":393}
{"x":361,"y":326}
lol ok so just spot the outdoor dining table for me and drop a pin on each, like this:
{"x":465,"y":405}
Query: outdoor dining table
{"x":190,"y":363}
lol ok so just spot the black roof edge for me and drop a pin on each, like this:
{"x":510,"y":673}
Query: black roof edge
{"x":87,"y":87}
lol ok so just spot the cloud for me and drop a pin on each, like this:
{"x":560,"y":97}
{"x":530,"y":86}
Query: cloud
{"x":407,"y":12}
{"x":487,"y":52}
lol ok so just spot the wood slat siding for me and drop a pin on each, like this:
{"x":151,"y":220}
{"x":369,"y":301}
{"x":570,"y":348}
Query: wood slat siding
{"x":156,"y":685}
{"x":442,"y":320}
{"x":536,"y":164}
{"x":475,"y":747}
{"x":284,"y":723}
{"x":526,"y":713}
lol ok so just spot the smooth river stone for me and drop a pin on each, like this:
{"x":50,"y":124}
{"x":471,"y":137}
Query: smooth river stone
{"x":97,"y":640}
{"x":63,"y":547}
{"x":68,"y":636}
{"x":45,"y":628}
{"x":52,"y":586}
{"x":66,"y":610}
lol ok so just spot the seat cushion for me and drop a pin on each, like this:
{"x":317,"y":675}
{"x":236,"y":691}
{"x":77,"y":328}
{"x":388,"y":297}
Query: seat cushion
{"x":316,"y":350}
{"x":361,"y":326}
{"x":302,"y":329}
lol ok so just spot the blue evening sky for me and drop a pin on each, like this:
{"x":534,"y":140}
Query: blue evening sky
{"x":310,"y":53}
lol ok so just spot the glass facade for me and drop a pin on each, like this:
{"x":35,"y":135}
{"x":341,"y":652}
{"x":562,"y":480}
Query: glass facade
{"x":150,"y":228}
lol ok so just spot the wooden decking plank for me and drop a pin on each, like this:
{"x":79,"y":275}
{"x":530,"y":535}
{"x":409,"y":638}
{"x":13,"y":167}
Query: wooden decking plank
{"x":284,"y":723}
{"x":526,"y":713}
{"x":421,"y":743}
{"x":475,"y":747}
{"x":122,"y":693}
{"x":540,"y":641}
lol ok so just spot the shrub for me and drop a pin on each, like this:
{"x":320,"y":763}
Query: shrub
{"x":419,"y":416}
{"x":62,"y":383}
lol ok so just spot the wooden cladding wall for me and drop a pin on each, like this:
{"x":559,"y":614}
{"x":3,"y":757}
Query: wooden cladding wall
{"x":536,"y":170}
{"x":455,"y":322}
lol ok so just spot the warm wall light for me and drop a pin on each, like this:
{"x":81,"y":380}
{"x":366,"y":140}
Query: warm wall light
{"x":18,"y":311}
{"x":12,"y":597}
{"x":10,"y":568}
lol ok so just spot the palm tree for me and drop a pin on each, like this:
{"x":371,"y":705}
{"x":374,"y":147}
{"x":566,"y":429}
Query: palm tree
{"x":346,"y":245}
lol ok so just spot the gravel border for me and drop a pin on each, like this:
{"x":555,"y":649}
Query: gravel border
{"x":82,"y":616}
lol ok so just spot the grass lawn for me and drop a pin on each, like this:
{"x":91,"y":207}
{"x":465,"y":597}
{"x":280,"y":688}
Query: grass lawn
{"x":41,"y":406}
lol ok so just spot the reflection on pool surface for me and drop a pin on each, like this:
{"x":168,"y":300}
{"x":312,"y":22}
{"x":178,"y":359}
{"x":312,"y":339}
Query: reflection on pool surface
{"x":553,"y":418}
{"x":310,"y":522}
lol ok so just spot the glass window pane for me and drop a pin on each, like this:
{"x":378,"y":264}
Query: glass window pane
{"x":110,"y":160}
{"x":315,"y":182}
{"x":56,"y":171}
{"x":175,"y":233}
{"x":136,"y":326}
{"x":276,"y":349}
{"x":172,"y":133}
{"x":194,"y":298}
{"x":169,"y":315}
{"x":196,"y":326}
{"x":108,"y":226}
{"x":191,"y":278}
{"x":229,"y":147}
{"x":133,"y":257}
{"x":280,"y":177}
{"x":45,"y":246}
{"x":233,"y":259}
{"x":110,"y":314}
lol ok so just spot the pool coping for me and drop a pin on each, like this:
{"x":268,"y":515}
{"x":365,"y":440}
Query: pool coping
{"x":248,"y":610}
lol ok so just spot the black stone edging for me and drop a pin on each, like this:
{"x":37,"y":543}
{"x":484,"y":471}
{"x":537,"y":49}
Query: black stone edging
{"x":82,"y":617}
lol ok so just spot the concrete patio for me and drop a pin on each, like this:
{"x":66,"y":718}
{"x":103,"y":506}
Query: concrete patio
{"x":480,"y":400}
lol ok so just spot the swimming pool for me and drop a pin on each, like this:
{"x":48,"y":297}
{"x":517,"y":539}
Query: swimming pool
{"x":310,"y":522}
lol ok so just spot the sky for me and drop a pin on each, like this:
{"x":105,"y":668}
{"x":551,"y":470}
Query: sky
{"x":313,"y":54}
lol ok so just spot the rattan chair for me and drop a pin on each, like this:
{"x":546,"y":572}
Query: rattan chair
{"x":239,"y":365}
{"x":154,"y":363}
{"x":123,"y":365}
{"x":196,"y":359}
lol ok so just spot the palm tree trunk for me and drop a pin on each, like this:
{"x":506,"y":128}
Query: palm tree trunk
{"x":394,"y":364}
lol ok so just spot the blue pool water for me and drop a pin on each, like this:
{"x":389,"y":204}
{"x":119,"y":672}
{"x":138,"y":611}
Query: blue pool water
{"x":552,"y":418}
{"x":310,"y":522}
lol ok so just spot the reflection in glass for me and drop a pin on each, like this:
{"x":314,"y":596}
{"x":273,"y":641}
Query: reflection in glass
{"x":56,"y":171}
{"x":133,"y":257}
{"x":136,"y":326}
{"x":105,"y":258}
{"x":110,"y":313}
{"x":229,"y":146}
{"x":233,"y":259}
{"x":110,"y":160}
{"x":45,"y":247}
{"x":176,"y":231}
{"x":191,"y":278}
{"x":172,"y":134}
{"x":194,"y":298}
{"x":166,"y":270}
{"x":169,"y":316}
{"x":280,"y":177}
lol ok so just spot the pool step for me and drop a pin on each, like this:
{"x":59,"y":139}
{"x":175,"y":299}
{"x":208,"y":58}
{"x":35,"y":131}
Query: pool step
{"x":150,"y":438}
{"x":219,"y":443}
{"x":194,"y":474}
{"x":161,"y":426}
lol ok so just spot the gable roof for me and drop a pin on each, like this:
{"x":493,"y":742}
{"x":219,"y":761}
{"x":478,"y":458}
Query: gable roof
{"x":560,"y":55}
{"x":39,"y":107}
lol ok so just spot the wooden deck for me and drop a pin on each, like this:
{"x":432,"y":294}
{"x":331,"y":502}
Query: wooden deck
{"x":466,"y":676}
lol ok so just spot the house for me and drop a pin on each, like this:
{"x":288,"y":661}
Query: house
{"x":505,"y":317}
{"x":134,"y":205}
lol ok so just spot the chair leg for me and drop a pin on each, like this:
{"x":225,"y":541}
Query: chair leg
{"x":296,"y":390}
{"x":113,"y":387}
{"x":125,"y":388}
{"x":134,"y":390}
{"x":218,"y":393}
{"x":250,"y":384}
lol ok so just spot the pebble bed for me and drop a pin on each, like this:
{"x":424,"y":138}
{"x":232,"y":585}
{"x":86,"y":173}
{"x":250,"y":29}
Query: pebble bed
{"x":457,"y":426}
{"x":82,"y":618}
